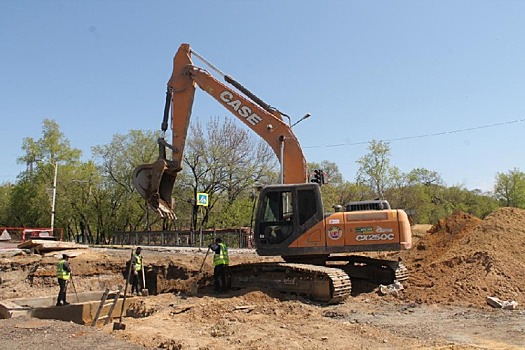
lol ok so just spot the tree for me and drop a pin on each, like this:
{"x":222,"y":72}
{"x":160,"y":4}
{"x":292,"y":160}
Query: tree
{"x":509,"y":188}
{"x":6,"y":191}
{"x":422,"y":176}
{"x":51,"y":148}
{"x":96,"y":198}
{"x":117,"y":205}
{"x":30,"y":205}
{"x":375,"y":170}
{"x":76,"y":185}
{"x":418,"y":192}
{"x":31,"y":197}
{"x":226,"y":162}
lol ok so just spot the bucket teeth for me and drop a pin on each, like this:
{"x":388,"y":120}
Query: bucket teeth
{"x":154,"y":182}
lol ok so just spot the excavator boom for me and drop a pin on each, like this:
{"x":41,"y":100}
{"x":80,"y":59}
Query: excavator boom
{"x":155,"y":181}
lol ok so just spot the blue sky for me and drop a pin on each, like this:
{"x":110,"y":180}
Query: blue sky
{"x":444,"y":81}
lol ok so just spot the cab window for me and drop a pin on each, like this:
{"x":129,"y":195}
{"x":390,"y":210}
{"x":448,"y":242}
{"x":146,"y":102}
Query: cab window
{"x":277,"y":219}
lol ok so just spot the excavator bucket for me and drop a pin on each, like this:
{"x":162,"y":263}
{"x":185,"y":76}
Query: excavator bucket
{"x":154,"y":182}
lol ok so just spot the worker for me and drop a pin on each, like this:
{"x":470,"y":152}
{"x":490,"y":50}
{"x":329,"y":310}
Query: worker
{"x":136,"y":268}
{"x":220,"y":263}
{"x":63,"y":275}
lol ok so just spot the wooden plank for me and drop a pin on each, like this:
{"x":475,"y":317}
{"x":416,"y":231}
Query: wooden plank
{"x":70,"y":252}
{"x":27,"y":245}
{"x":44,"y":245}
{"x":44,"y":248}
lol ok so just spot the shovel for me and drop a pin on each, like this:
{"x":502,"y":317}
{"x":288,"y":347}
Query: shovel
{"x":74,"y":288}
{"x":200,"y":270}
{"x":194,"y":286}
{"x":120,"y":325}
{"x":144,"y":291}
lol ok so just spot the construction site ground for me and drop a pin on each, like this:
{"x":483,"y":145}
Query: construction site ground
{"x":455,"y":265}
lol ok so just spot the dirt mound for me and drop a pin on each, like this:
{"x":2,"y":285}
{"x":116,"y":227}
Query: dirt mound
{"x":447,"y":233}
{"x":463,"y":260}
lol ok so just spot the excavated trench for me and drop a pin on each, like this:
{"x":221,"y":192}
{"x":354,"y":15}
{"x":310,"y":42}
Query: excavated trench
{"x":90,"y":280}
{"x":174,"y":279}
{"x":160,"y":278}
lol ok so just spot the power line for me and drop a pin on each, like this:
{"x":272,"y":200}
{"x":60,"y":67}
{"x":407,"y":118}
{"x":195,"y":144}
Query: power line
{"x":424,"y":135}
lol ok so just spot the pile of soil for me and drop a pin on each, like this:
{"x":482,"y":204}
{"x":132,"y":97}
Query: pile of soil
{"x":463,"y":260}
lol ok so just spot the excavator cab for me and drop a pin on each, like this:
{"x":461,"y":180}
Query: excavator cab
{"x":285,"y":212}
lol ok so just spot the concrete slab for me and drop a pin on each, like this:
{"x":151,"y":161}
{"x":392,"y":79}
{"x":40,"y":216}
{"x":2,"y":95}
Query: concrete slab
{"x":82,"y":312}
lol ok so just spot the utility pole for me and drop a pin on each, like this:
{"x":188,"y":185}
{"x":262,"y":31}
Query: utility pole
{"x":54,"y":199}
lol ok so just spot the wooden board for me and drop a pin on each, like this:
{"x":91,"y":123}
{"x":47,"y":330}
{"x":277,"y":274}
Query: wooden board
{"x":42,"y":245}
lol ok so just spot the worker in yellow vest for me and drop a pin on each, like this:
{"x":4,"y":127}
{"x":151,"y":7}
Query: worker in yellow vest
{"x":63,"y":275}
{"x":220,"y":263}
{"x":136,"y":270}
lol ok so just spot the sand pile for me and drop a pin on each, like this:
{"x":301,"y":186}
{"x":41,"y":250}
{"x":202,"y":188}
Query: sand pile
{"x":463,"y":260}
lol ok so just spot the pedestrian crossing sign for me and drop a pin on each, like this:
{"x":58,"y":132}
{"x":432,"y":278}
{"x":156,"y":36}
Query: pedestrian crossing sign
{"x":202,"y":199}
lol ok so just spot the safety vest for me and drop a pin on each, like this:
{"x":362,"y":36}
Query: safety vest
{"x":222,"y":257}
{"x":138,"y":262}
{"x":61,"y":273}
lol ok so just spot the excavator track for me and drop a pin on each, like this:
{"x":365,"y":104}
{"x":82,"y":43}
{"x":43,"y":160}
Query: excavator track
{"x":401,"y":272}
{"x":321,"y":283}
{"x":374,"y":270}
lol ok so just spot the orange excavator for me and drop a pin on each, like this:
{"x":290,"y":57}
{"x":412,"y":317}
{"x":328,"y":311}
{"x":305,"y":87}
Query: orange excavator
{"x":290,"y":221}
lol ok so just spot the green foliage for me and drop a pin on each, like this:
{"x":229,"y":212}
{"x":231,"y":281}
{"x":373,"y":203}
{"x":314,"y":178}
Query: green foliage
{"x":30,"y":203}
{"x":375,"y":170}
{"x":117,"y":205}
{"x":418,"y":192}
{"x":226,"y":162}
{"x":31,"y":197}
{"x":509,"y":188}
{"x":235,"y":214}
{"x":6,"y":191}
{"x":96,"y":198}
{"x":51,"y":148}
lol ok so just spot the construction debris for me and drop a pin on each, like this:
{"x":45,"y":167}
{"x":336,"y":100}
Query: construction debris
{"x":393,"y":288}
{"x":498,"y":303}
{"x":245,"y":308}
{"x":180,"y":309}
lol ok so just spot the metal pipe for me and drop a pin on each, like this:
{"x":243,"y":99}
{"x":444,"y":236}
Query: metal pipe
{"x":211,"y":66}
{"x":281,"y":175}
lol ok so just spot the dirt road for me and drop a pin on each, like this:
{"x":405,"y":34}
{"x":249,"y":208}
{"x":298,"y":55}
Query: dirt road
{"x":256,"y":320}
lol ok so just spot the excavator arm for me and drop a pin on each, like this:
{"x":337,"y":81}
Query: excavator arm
{"x":155,"y":181}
